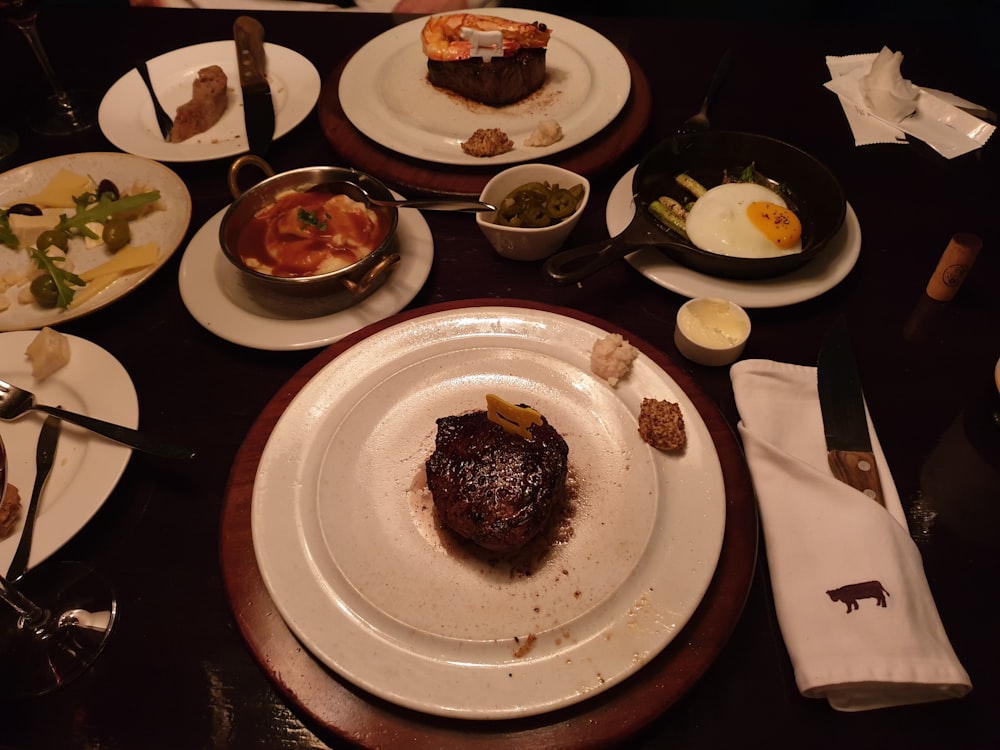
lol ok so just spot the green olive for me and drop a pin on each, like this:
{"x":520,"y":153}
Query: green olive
{"x":116,"y":234}
{"x":44,"y":290}
{"x":52,"y":237}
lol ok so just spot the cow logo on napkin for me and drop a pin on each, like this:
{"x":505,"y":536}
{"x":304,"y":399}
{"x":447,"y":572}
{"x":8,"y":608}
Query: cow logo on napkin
{"x":850,"y":594}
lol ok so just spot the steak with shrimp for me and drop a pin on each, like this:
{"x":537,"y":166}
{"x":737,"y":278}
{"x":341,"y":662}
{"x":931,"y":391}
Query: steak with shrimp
{"x":494,"y":487}
{"x":485,"y":58}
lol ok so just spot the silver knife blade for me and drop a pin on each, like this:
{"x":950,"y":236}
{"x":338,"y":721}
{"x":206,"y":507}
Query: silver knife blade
{"x":258,"y":107}
{"x":44,"y":456}
{"x":845,"y":423}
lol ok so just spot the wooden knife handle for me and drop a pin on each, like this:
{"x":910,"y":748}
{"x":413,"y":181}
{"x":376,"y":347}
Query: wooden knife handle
{"x":857,"y":469}
{"x":249,"y":35}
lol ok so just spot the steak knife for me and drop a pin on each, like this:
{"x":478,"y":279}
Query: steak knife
{"x":44,"y":455}
{"x":258,"y":107}
{"x":842,"y":402}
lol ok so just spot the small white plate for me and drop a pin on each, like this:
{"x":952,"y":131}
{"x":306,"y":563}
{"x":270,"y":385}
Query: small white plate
{"x":385,"y":94}
{"x":347,"y":544}
{"x":167,"y":227}
{"x":87,"y":467}
{"x":213,"y":292}
{"x":126,"y":113}
{"x":800,"y":285}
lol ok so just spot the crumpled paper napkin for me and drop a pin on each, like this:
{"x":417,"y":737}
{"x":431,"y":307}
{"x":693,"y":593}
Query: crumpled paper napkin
{"x":853,"y":603}
{"x":884,"y":107}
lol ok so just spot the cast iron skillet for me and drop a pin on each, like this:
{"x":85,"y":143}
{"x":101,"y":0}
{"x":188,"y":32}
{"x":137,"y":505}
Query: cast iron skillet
{"x":810,"y":188}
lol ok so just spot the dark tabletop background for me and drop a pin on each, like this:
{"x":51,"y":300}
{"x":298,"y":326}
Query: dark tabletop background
{"x":177,"y":673}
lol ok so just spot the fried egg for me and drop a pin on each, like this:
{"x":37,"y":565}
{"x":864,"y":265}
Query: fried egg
{"x":745,"y":220}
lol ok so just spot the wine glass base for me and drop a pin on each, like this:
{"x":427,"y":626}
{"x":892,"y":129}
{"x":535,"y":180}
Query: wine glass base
{"x":36,"y":661}
{"x":72,"y":112}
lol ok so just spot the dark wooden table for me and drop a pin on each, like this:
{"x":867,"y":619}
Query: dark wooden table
{"x":179,"y":674}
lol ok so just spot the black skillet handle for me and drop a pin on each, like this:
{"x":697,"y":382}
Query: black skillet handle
{"x":570,"y":266}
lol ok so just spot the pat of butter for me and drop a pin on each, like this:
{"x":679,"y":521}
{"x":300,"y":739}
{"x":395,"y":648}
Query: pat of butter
{"x":712,"y":323}
{"x":516,"y":420}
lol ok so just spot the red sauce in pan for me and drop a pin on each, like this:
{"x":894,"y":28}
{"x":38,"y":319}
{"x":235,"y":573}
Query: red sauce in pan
{"x":304,"y":234}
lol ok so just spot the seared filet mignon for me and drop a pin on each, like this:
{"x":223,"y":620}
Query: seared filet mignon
{"x":493,"y":487}
{"x":502,"y":80}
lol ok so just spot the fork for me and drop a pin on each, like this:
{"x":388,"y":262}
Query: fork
{"x":699,"y":120}
{"x":162,"y":118}
{"x":15,"y":402}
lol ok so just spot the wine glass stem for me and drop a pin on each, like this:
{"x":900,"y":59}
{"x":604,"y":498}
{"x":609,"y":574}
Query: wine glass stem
{"x":30,"y":31}
{"x":31,"y":614}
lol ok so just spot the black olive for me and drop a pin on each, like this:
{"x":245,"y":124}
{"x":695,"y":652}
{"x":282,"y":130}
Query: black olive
{"x":25,"y":209}
{"x":107,"y":186}
{"x":44,"y":290}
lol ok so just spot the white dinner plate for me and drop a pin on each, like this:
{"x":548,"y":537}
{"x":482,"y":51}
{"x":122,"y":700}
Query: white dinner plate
{"x":166,"y":227}
{"x":345,"y":537}
{"x":126,"y":113}
{"x":807,"y":282}
{"x":214,"y":293}
{"x":385,"y":94}
{"x":87,"y":467}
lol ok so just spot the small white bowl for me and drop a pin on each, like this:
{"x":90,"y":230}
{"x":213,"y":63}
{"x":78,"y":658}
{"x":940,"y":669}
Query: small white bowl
{"x":527,"y":243}
{"x":711,"y":331}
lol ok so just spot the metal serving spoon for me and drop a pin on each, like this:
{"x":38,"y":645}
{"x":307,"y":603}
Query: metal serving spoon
{"x":699,"y":120}
{"x":436,"y":204}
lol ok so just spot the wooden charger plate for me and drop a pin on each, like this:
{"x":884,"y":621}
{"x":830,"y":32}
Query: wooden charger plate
{"x":336,"y":706}
{"x":414,"y":176}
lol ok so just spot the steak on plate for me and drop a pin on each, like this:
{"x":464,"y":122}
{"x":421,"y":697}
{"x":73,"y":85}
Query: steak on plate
{"x":499,"y":81}
{"x":493,"y":487}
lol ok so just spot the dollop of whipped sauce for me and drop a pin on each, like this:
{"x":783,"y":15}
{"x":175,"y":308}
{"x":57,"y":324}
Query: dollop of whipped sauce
{"x":712,"y":323}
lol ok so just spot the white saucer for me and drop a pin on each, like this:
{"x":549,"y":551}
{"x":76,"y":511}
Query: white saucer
{"x":213,"y":293}
{"x":126,"y":112}
{"x":804,"y":283}
{"x":87,"y":467}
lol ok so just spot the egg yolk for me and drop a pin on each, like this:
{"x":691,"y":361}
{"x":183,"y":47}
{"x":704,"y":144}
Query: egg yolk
{"x":777,"y":223}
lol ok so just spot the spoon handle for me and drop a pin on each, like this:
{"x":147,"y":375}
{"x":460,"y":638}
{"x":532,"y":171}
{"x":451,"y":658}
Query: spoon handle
{"x":721,"y":71}
{"x":440,"y":205}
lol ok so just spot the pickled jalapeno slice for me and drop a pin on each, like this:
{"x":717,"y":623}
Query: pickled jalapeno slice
{"x":538,"y":204}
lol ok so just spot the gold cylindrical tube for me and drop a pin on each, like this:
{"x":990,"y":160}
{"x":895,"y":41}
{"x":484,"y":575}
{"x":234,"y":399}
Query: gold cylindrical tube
{"x":953,"y":267}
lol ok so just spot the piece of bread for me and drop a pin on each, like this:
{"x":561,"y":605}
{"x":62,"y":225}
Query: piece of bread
{"x":209,"y":98}
{"x":661,"y":424}
{"x":10,"y":510}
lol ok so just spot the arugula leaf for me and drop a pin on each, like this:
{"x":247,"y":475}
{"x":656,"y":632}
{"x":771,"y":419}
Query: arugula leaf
{"x":61,"y":277}
{"x":101,"y":211}
{"x":7,"y":236}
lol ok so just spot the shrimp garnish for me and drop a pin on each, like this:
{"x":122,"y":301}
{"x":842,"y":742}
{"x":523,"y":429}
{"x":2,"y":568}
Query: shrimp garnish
{"x":442,"y":37}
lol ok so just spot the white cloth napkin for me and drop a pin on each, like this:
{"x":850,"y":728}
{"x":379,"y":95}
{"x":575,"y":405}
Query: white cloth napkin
{"x":852,"y":600}
{"x":883,"y":107}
